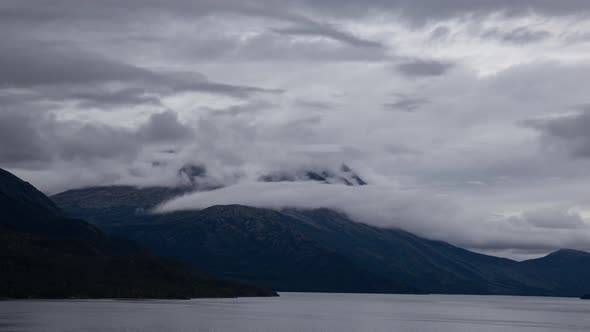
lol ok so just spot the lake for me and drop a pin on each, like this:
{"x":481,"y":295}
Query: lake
{"x":301,"y":312}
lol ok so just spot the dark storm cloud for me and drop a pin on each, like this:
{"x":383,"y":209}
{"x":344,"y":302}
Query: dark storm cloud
{"x":424,"y":10}
{"x":20,"y":137}
{"x":569,"y":132}
{"x":35,"y":64}
{"x":520,"y":35}
{"x":87,"y":10}
{"x":27,"y":64}
{"x":423,"y":67}
{"x":162,"y":127}
{"x":33,"y":136}
{"x":285,"y":10}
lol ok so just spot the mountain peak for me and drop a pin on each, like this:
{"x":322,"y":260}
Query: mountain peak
{"x":20,"y":198}
{"x":191,"y":172}
{"x":569,"y":253}
{"x":561,"y":256}
{"x":344,"y":175}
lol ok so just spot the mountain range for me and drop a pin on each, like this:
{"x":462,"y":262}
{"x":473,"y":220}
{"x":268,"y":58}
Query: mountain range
{"x":317,"y":250}
{"x":46,"y":254}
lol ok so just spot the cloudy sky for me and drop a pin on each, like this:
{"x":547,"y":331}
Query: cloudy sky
{"x":469,"y":119}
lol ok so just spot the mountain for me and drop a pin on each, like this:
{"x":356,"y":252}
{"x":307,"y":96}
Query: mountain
{"x":585,"y":297}
{"x":568,"y":271}
{"x":241,"y":243}
{"x":345,"y":175}
{"x":321,"y":250}
{"x":44,"y":254}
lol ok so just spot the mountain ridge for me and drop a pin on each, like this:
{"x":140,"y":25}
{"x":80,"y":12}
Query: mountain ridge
{"x":76,"y":259}
{"x":388,"y":260}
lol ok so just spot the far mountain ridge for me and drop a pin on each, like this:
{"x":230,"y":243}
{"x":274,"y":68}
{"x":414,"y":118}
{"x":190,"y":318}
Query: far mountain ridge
{"x":193,"y":179}
{"x":196,"y":176}
{"x":322,"y":250}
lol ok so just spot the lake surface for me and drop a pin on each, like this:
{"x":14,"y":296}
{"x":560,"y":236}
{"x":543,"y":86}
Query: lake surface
{"x":301,"y":312}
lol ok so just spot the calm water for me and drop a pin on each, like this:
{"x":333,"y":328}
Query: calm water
{"x":294,"y":312}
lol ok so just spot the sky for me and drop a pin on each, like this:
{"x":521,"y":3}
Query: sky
{"x":470,"y":120}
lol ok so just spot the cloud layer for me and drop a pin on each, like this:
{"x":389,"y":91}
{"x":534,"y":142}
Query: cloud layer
{"x":417,"y":211}
{"x":476,"y":108}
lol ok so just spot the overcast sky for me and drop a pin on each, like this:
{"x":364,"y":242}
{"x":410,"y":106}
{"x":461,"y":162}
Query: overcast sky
{"x":470,"y":120}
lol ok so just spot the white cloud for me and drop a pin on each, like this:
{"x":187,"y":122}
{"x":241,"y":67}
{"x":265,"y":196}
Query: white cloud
{"x":419,"y":211}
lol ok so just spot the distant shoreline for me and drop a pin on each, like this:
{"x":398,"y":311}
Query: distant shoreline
{"x":138,"y":299}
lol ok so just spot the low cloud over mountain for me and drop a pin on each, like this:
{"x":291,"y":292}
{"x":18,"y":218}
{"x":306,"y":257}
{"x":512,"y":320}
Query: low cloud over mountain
{"x":412,"y":95}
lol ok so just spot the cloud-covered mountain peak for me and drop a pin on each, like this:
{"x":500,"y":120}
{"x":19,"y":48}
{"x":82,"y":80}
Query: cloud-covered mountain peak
{"x":343,"y":175}
{"x":191,"y":173}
